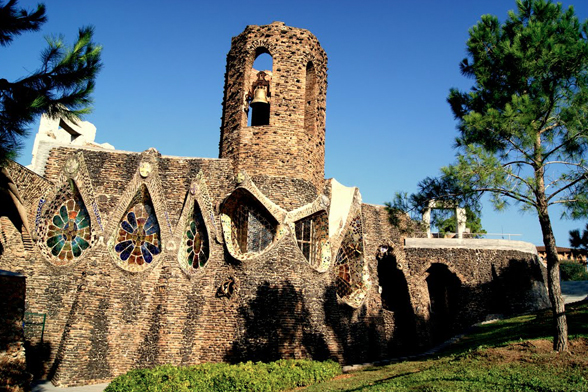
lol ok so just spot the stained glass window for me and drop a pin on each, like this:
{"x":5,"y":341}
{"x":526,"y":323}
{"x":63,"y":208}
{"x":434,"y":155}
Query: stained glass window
{"x":252,"y":229}
{"x":312,"y":235}
{"x":68,"y":234}
{"x":349,"y":264}
{"x":194,"y":251}
{"x":138,"y":240}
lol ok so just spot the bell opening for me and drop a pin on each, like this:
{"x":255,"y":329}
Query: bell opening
{"x":260,"y":113}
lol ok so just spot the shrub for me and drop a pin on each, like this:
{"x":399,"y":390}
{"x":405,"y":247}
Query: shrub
{"x":573,"y":271}
{"x":221,"y":377}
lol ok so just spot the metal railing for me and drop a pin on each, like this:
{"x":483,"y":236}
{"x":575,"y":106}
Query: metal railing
{"x":503,"y":236}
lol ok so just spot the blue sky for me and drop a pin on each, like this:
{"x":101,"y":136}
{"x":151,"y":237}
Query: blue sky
{"x":391,"y":65}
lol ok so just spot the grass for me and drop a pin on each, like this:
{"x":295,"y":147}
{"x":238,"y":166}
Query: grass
{"x":509,"y":355}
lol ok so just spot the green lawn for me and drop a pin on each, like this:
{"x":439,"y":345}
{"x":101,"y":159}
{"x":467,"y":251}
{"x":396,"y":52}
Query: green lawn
{"x":509,"y":355}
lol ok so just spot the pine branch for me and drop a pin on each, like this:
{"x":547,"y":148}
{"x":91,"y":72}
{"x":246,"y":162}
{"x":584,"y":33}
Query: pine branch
{"x":15,"y":21}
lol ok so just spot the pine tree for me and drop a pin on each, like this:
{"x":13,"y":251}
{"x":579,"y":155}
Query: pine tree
{"x":61,"y":87}
{"x":524,"y":124}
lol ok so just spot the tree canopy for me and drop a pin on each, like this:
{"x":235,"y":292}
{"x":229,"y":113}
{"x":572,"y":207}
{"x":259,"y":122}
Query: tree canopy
{"x":61,"y":87}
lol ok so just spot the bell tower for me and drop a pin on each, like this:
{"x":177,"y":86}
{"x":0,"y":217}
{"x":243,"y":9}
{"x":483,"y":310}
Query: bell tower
{"x":273,"y":122}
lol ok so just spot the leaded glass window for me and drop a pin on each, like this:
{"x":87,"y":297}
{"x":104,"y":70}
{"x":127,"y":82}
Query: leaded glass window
{"x":194,"y":253}
{"x":68,"y":232}
{"x":252,"y":231}
{"x":312,"y":235}
{"x":349,"y":263}
{"x":138,"y":241}
{"x":252,"y":228}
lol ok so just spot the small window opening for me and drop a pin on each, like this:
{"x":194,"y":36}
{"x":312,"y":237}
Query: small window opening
{"x":310,"y":99}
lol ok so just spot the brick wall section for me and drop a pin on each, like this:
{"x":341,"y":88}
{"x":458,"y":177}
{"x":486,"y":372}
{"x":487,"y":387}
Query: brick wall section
{"x":13,"y":372}
{"x":284,"y":148}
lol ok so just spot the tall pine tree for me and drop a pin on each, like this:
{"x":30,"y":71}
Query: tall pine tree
{"x":523,"y":126}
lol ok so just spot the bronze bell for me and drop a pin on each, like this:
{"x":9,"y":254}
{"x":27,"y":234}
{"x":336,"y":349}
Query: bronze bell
{"x":260,"y":96}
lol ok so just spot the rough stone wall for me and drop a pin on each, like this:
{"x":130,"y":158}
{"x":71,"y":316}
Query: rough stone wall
{"x":106,"y":315}
{"x":103,"y":320}
{"x":13,"y":372}
{"x":284,"y":148}
{"x":488,"y":283}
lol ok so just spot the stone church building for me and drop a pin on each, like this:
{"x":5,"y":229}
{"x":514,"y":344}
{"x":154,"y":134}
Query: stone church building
{"x":135,"y":259}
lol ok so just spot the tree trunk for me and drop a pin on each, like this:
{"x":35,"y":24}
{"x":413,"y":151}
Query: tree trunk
{"x":560,"y":338}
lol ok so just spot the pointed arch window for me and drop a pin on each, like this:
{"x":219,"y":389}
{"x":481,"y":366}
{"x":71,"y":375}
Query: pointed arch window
{"x":69,"y":232}
{"x":138,"y":240}
{"x":194,"y":252}
{"x":312,"y":236}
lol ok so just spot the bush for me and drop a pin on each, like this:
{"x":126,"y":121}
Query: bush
{"x":221,"y":377}
{"x":573,"y":271}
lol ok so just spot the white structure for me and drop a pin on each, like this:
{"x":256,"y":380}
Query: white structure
{"x":61,"y":132}
{"x":460,"y":215}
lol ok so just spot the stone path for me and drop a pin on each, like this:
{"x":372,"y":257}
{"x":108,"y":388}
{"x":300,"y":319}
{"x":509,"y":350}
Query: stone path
{"x":572,"y":292}
{"x":46,"y":386}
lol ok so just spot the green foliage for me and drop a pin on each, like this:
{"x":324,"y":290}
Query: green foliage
{"x":524,"y":124}
{"x":444,"y":191}
{"x":573,"y":271}
{"x":221,"y":377}
{"x":470,"y":364}
{"x":61,"y":87}
{"x":579,"y":241}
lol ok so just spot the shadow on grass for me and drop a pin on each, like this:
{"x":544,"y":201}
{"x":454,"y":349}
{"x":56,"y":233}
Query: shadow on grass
{"x":537,"y":325}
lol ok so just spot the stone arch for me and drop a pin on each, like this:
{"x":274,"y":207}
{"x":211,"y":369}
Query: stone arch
{"x":259,"y":90}
{"x":444,"y":287}
{"x":396,"y":298}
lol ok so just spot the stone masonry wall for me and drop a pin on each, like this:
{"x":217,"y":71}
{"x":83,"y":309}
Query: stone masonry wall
{"x":103,"y":320}
{"x":13,"y":372}
{"x":284,"y":148}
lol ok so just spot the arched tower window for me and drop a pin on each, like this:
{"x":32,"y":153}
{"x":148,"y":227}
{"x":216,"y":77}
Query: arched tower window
{"x":259,"y":96}
{"x":310,"y":99}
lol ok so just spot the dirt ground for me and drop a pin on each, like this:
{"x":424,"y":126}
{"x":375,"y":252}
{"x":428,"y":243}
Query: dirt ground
{"x":540,"y":351}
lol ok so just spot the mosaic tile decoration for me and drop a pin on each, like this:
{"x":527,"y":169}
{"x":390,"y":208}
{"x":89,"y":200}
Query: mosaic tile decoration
{"x":67,"y":231}
{"x":194,"y":250}
{"x":138,"y":241}
{"x":351,"y":276}
{"x":312,"y":236}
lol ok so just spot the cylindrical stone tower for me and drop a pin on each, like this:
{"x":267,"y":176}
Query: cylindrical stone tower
{"x":273,"y":123}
